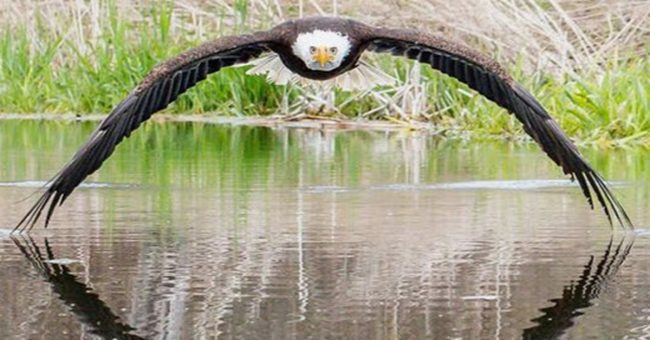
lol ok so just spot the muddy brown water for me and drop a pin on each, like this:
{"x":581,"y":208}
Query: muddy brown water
{"x":210,"y":231}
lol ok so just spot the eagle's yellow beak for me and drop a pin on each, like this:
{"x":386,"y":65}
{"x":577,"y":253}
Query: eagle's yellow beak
{"x":322,"y":55}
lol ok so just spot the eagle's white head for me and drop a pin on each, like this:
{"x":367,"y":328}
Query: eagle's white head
{"x":321,"y":50}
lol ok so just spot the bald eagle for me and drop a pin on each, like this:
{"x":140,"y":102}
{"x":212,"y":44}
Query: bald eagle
{"x":322,"y":49}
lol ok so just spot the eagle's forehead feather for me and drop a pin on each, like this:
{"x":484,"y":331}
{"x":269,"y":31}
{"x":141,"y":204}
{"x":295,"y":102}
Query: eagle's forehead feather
{"x":322,"y":38}
{"x":322,"y":34}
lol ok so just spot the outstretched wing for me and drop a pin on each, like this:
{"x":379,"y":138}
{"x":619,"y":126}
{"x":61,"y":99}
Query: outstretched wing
{"x":489,"y":79}
{"x":157,"y":90}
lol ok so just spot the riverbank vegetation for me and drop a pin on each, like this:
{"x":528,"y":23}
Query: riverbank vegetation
{"x":586,"y":60}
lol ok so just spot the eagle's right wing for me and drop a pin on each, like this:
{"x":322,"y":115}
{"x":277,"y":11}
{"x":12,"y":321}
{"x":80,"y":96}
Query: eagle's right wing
{"x":490,"y":80}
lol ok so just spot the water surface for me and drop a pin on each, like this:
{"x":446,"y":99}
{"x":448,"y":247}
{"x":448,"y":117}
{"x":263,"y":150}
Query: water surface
{"x":201,"y":231}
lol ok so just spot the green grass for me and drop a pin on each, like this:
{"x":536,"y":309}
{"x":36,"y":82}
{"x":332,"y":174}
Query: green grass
{"x":609,"y":108}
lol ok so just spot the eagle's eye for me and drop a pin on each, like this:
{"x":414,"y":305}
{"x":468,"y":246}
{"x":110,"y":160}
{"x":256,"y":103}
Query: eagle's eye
{"x":333,"y":49}
{"x":312,"y":49}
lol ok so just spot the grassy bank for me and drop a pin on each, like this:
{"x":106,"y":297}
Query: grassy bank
{"x":83,"y":58}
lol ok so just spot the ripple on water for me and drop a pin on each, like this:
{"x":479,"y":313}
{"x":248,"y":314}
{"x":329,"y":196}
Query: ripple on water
{"x":529,"y":184}
{"x":5,"y":233}
{"x":41,"y":184}
{"x":478,"y":185}
{"x":254,"y":233}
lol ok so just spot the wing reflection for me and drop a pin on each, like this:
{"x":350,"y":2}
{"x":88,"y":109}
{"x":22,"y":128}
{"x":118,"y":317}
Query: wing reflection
{"x":77,"y":296}
{"x":578,"y":295}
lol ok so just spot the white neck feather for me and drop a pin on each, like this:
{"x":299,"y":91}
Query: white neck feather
{"x":363,"y":77}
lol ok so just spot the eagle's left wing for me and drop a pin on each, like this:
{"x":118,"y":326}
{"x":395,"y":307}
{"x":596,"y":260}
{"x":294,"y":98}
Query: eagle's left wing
{"x":488,"y":78}
{"x":161,"y":87}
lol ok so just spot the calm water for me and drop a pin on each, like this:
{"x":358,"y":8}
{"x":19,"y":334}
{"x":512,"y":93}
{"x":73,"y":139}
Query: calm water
{"x":202,"y":231}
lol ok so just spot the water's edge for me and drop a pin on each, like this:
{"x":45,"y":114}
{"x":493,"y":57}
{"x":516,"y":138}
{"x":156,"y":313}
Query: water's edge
{"x":300,"y":121}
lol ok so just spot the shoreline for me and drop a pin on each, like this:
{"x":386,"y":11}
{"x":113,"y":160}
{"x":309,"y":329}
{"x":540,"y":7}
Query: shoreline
{"x":300,"y":121}
{"x":305,"y":121}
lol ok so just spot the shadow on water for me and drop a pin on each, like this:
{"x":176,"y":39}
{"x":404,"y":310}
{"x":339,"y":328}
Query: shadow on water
{"x":579,"y":294}
{"x":87,"y":306}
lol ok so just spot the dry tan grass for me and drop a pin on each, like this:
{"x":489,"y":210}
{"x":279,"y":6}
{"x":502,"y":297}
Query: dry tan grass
{"x":561,"y":35}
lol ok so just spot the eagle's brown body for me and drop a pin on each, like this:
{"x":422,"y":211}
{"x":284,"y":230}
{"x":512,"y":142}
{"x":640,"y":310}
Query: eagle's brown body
{"x":173,"y":77}
{"x":280,"y":38}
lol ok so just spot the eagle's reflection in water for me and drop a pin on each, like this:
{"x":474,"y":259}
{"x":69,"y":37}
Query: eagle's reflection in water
{"x":92,"y":312}
{"x":578,"y":295}
{"x":87,"y":306}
